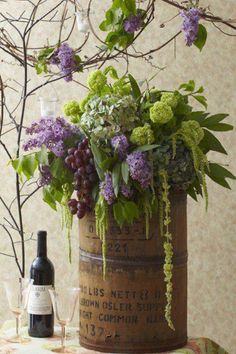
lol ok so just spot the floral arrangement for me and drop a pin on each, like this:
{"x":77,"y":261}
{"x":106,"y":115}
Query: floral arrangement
{"x":124,"y":152}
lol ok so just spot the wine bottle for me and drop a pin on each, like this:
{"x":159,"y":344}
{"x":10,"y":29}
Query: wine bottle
{"x":41,"y":317}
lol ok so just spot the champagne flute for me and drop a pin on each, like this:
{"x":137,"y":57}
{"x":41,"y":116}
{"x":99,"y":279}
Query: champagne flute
{"x":64,"y":302}
{"x":17,"y":291}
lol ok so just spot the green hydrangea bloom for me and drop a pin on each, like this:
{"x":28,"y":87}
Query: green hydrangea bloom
{"x":109,"y":115}
{"x":142,"y":135}
{"x":193,"y":131}
{"x":170,"y":98}
{"x":96,"y":81}
{"x":71,"y":109}
{"x":161,"y":113}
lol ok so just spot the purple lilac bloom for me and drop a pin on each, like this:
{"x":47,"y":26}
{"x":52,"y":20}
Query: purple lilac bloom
{"x":46,"y":176}
{"x":51,"y":132}
{"x":126,"y":190}
{"x":139,"y":168}
{"x":190,"y":24}
{"x":54,"y":59}
{"x":132,"y":24}
{"x":107,"y":190}
{"x":120,"y":145}
{"x":64,"y":58}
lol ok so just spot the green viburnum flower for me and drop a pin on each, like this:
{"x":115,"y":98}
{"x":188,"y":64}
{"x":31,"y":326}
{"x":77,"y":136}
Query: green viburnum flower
{"x":161,"y":113}
{"x":109,"y":115}
{"x":193,"y":131}
{"x":170,"y":98}
{"x":96,"y":81}
{"x":142,"y":135}
{"x":83,"y":103}
{"x":72,"y":109}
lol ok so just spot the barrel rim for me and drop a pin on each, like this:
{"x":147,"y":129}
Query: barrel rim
{"x":180,"y":259}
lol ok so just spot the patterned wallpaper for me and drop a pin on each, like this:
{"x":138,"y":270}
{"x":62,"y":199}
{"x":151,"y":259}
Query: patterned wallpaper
{"x":211,"y":235}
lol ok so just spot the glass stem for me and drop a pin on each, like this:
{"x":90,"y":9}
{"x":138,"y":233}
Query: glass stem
{"x":18,"y":326}
{"x":63,"y":337}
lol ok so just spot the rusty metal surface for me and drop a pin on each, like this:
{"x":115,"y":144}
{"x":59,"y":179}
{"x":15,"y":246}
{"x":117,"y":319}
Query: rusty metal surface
{"x":125,"y":312}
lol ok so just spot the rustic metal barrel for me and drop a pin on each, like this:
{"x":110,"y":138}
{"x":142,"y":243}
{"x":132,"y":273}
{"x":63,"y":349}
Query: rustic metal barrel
{"x":125,"y":312}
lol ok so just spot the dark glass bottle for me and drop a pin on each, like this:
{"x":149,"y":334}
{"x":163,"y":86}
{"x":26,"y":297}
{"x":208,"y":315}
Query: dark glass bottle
{"x":41,"y":317}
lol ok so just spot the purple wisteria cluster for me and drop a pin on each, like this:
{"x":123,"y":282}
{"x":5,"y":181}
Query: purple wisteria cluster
{"x":139,"y":168}
{"x":51,"y":132}
{"x":190,"y":24}
{"x":64,"y":58}
{"x":120,"y":144}
{"x":106,"y":189}
{"x":133,"y":24}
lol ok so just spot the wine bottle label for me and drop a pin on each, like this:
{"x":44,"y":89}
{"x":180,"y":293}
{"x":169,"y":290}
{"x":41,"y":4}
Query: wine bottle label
{"x":39,"y":300}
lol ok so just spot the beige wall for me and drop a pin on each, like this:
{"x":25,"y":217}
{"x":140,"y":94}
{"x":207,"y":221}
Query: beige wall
{"x":211,"y":235}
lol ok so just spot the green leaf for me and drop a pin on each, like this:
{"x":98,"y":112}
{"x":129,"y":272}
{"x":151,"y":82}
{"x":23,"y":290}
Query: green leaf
{"x":104,"y":26}
{"x":29,"y":165}
{"x":97,"y":153}
{"x":221,"y":127}
{"x":201,"y":37}
{"x":116,"y":174}
{"x":117,"y":4}
{"x":200,"y":90}
{"x":129,"y":7}
{"x":130,"y":211}
{"x":56,"y":192}
{"x":16,"y":164}
{"x":221,"y":181}
{"x":99,"y":157}
{"x":192,"y":193}
{"x":95,"y":192}
{"x":107,"y":163}
{"x":57,"y":167}
{"x":199,"y":116}
{"x":42,"y":156}
{"x":182,"y":109}
{"x":125,"y":171}
{"x":112,"y":39}
{"x":112,"y":71}
{"x":210,"y":142}
{"x":45,"y":53}
{"x":212,"y":120}
{"x":124,"y":40}
{"x":118,"y":213}
{"x":109,"y":17}
{"x":41,"y":67}
{"x":25,"y":165}
{"x":220,"y":171}
{"x":79,"y":67}
{"x":144,"y":148}
{"x":188,"y":86}
{"x":135,"y":88}
{"x":48,"y":198}
{"x":202,"y":100}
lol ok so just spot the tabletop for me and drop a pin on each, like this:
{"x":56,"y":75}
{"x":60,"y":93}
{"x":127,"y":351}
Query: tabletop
{"x":46,"y":345}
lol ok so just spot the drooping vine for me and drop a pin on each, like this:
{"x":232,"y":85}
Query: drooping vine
{"x":102,"y":224}
{"x":192,"y":134}
{"x":168,"y":248}
{"x":67,"y":218}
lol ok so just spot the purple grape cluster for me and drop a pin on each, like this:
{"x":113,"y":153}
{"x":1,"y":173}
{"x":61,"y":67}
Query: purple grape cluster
{"x":80,"y":161}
